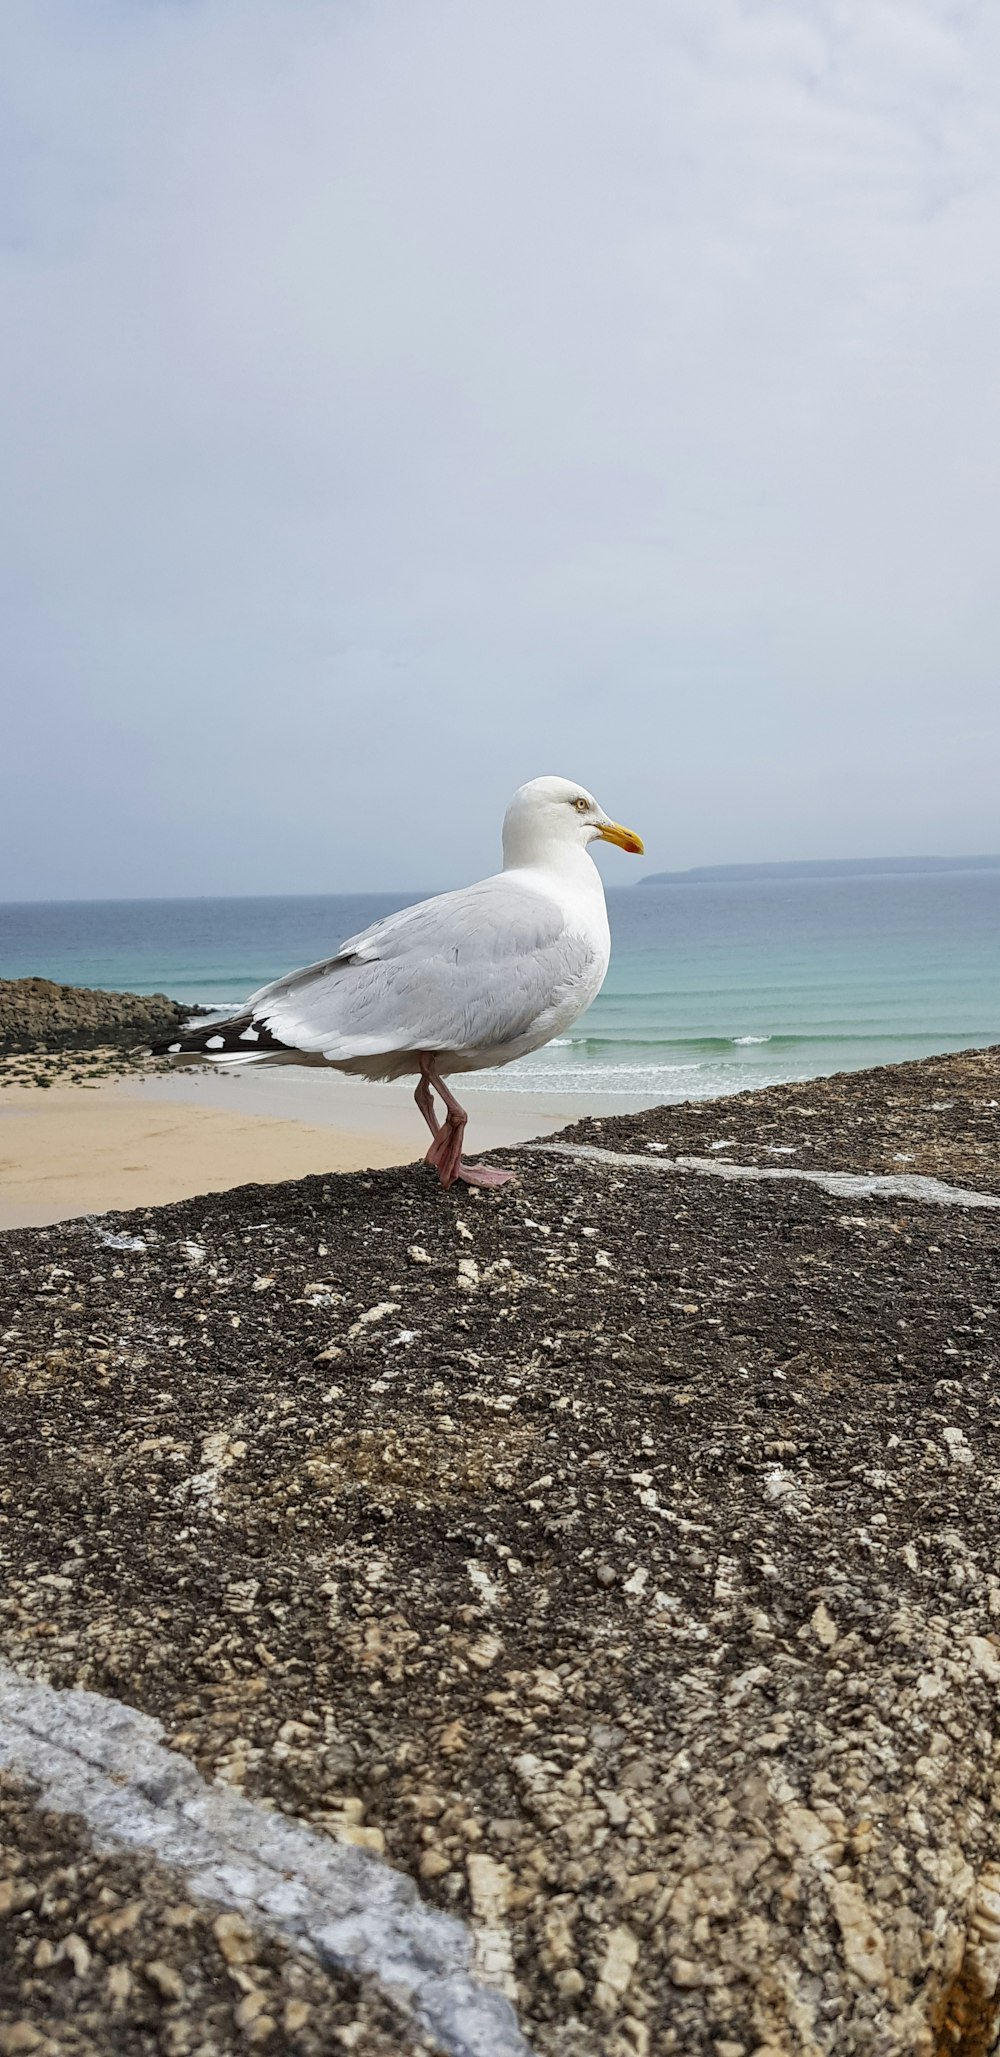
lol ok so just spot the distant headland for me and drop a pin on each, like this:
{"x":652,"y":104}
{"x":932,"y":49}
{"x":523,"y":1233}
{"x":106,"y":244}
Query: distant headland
{"x":818,"y":868}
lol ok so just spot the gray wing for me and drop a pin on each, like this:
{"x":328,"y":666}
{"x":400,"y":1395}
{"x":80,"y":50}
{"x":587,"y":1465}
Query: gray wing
{"x":468,"y":970}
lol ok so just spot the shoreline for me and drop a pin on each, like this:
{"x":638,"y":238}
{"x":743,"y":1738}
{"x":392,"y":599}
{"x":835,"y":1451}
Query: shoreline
{"x":148,"y":1139}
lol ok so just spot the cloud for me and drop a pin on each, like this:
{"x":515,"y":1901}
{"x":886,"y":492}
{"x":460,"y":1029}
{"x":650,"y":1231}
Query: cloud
{"x":403,"y":401}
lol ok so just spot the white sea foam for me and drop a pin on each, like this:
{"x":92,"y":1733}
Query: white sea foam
{"x":660,"y":1083}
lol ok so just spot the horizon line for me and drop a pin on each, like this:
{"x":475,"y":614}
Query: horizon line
{"x":779,"y":864}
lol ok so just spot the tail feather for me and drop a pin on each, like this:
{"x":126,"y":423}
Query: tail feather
{"x":240,"y":1037}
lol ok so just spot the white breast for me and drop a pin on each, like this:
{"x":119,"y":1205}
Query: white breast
{"x":577,"y":888}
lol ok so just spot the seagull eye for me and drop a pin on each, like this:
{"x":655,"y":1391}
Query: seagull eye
{"x":581,"y":804}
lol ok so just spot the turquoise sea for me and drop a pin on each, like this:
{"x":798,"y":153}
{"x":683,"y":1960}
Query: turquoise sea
{"x":713,"y":986}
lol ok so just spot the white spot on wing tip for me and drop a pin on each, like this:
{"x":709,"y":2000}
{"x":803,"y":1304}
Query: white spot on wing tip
{"x":249,"y":1035}
{"x":172,"y":1049}
{"x":216,"y":1043}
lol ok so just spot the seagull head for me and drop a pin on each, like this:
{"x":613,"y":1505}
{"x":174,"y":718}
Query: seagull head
{"x":550,"y":814}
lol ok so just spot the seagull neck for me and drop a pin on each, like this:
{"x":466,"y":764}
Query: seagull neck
{"x":566,"y":861}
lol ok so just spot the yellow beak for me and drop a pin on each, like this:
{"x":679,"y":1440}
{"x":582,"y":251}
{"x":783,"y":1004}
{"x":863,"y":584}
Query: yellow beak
{"x":612,"y":832}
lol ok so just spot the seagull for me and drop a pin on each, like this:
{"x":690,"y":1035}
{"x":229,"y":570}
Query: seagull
{"x":462,"y":982}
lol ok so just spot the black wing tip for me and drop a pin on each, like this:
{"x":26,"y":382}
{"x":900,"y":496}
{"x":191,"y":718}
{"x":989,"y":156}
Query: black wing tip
{"x":242,"y":1035}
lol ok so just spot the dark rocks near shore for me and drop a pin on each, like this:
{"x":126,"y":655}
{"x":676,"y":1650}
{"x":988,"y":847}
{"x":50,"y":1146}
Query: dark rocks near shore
{"x":37,"y":1014}
{"x":76,"y":1035}
{"x":617,"y":1555}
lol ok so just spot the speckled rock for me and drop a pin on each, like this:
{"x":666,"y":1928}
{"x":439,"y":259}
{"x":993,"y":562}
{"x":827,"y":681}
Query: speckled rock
{"x":104,"y":1954}
{"x":616,"y":1554}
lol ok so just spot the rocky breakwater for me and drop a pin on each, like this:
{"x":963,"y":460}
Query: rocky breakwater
{"x":615,"y":1557}
{"x":49,"y":1031}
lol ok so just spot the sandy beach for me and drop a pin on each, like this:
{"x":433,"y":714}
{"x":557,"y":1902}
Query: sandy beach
{"x":69,"y":1150}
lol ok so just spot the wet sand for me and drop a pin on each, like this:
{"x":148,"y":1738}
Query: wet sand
{"x":146,"y":1141}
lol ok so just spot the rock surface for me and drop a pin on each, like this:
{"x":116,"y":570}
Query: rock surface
{"x":36,"y":1013}
{"x":938,"y":1118}
{"x":104,"y":1954}
{"x":616,"y":1554}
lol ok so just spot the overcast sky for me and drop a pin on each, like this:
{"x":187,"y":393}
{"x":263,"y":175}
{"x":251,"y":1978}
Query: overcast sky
{"x":400,"y":400}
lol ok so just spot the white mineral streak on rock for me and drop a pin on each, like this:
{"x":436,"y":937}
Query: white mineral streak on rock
{"x":845,"y":1185}
{"x":103,"y":1762}
{"x":490,"y":1886}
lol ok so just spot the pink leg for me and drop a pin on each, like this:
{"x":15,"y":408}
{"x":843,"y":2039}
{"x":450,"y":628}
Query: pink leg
{"x":425,"y":1101}
{"x":445,"y":1153}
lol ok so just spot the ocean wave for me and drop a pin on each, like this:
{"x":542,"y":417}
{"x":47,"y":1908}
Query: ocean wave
{"x":799,"y":1039}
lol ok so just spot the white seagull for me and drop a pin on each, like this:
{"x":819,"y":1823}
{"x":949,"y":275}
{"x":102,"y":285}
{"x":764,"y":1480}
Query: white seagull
{"x":458,"y":983}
